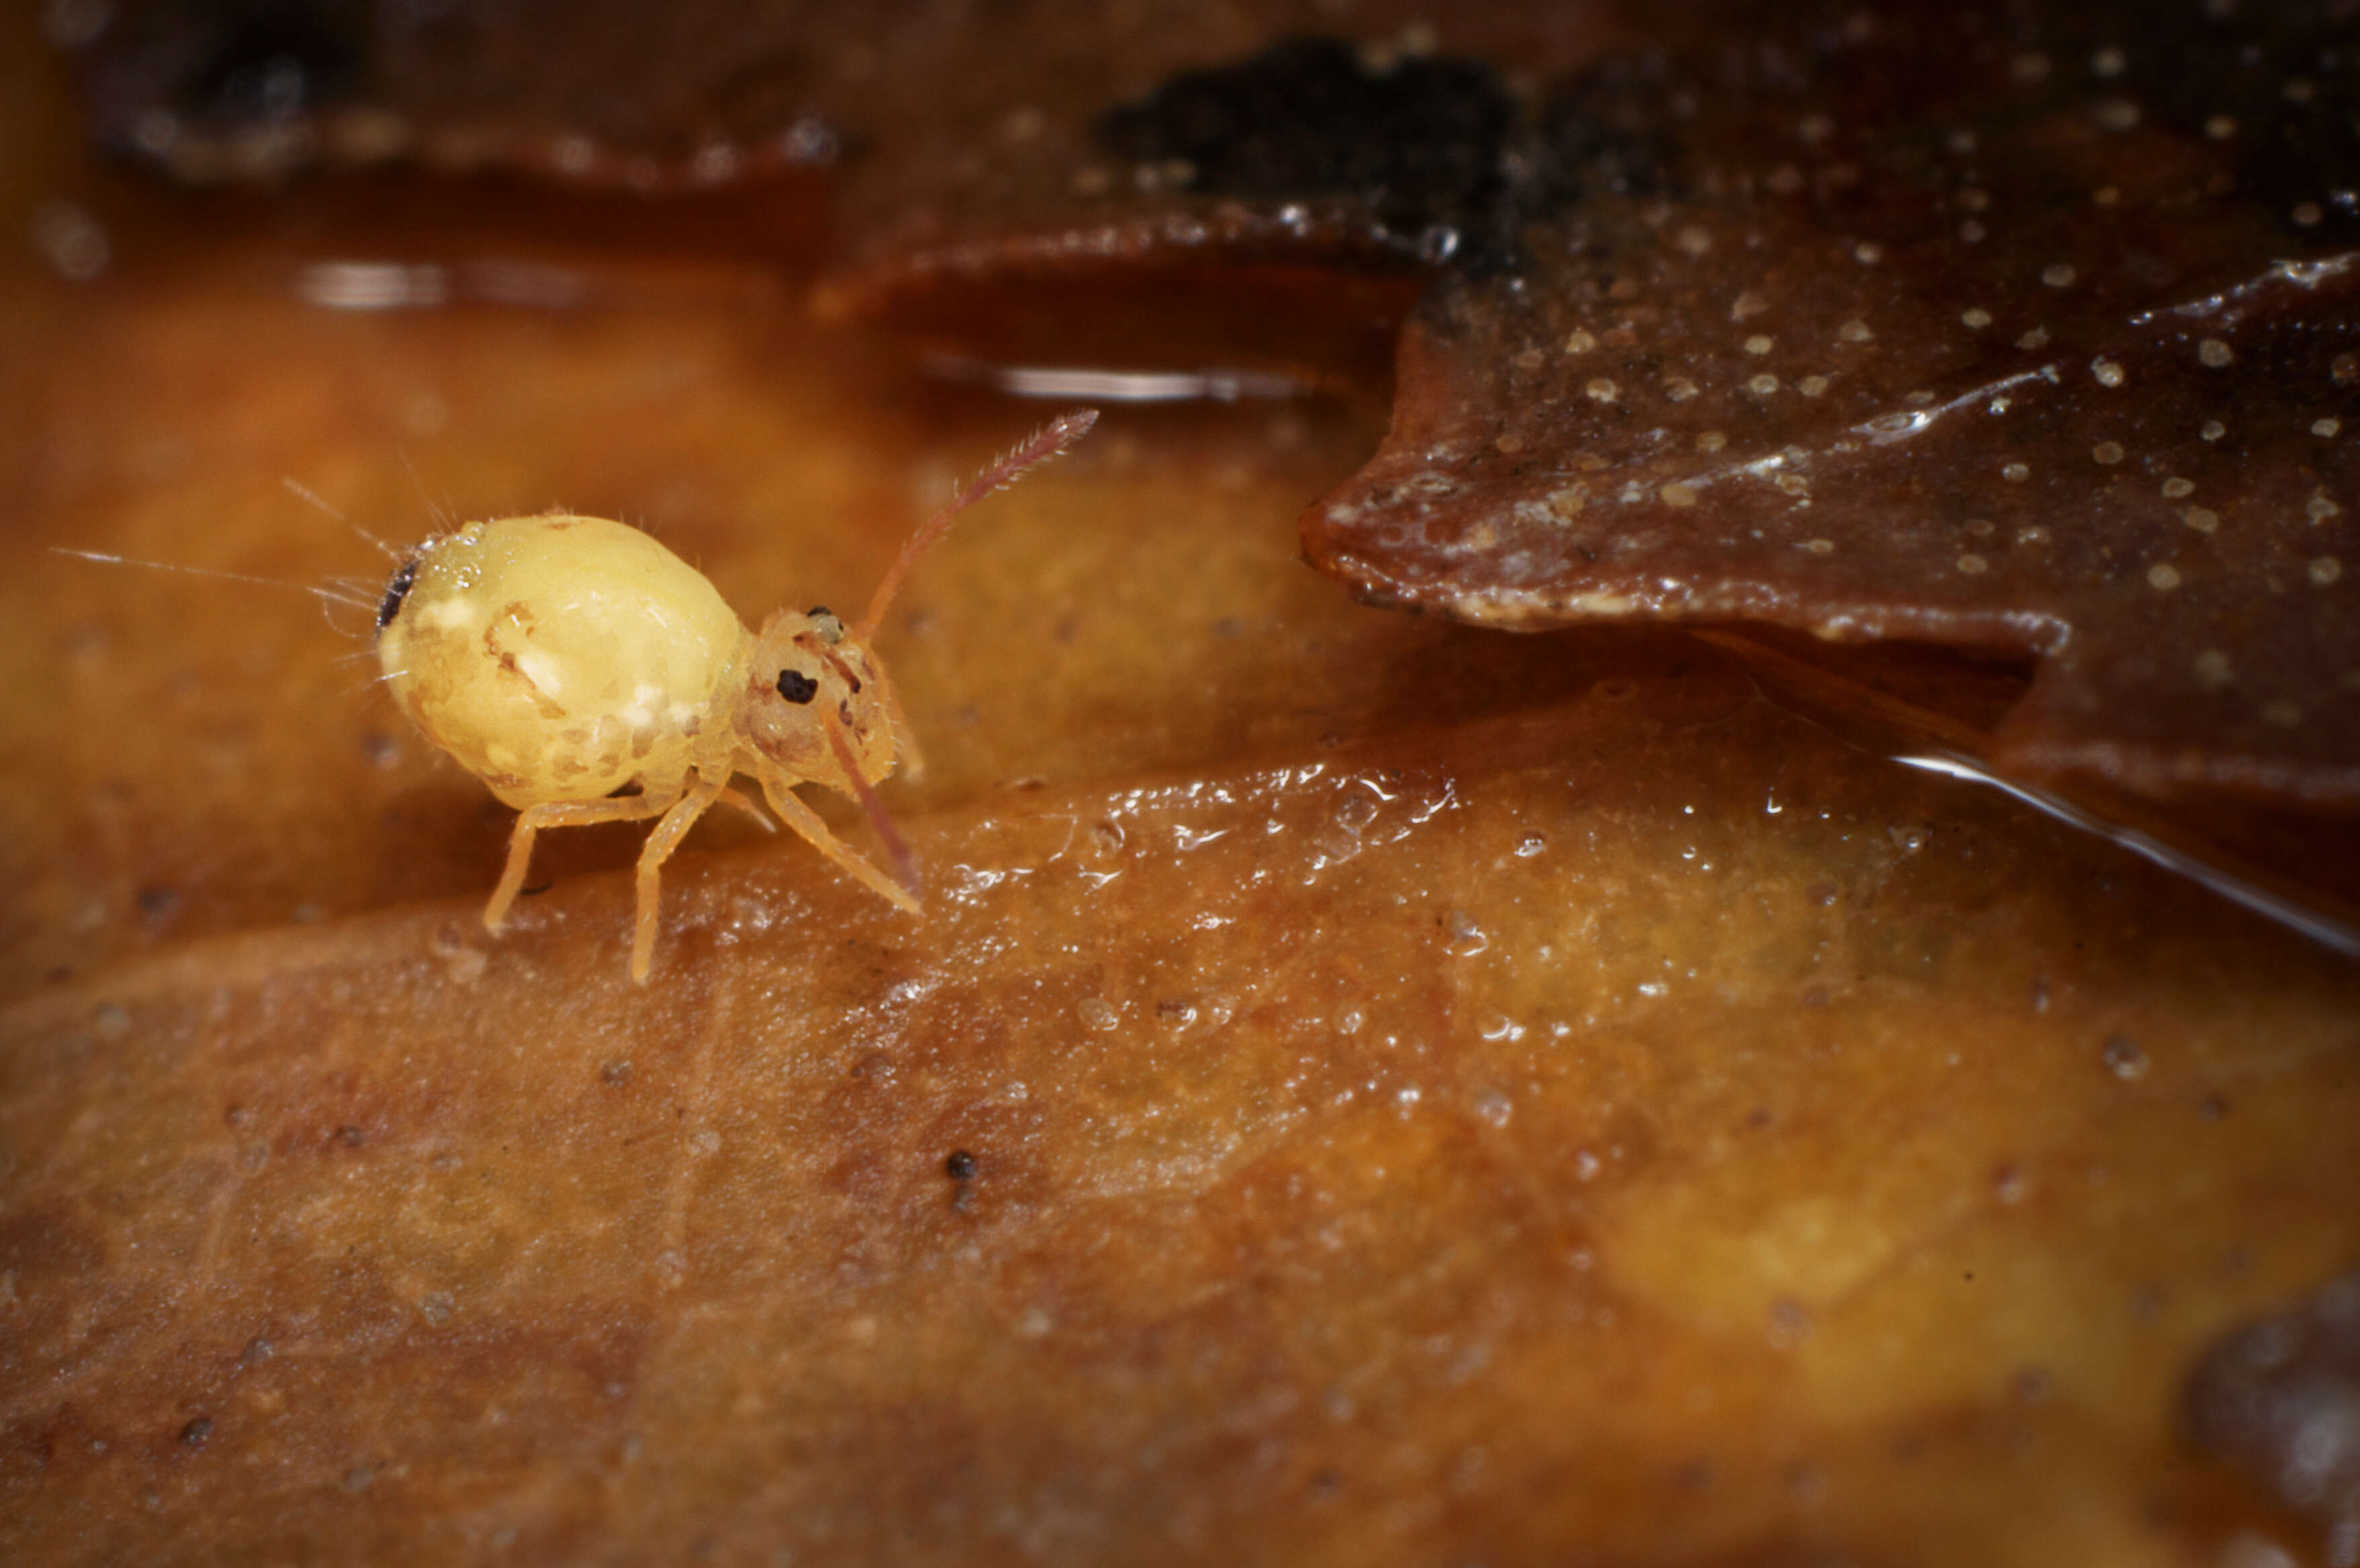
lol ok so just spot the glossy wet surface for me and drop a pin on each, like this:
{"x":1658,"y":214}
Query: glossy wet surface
{"x":1368,"y":1089}
{"x":2028,"y":338}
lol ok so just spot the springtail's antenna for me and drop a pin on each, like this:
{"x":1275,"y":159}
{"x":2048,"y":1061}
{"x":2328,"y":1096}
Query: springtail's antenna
{"x":303,"y":492}
{"x":325,"y":596}
{"x":1048,"y":442}
{"x":441,"y":519}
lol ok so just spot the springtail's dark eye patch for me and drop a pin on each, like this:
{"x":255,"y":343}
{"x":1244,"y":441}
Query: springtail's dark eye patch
{"x":395,"y":593}
{"x":796,"y":686}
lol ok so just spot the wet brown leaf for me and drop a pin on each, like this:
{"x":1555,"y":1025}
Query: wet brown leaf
{"x":1370,"y":1089}
{"x":2034,"y":337}
{"x":1479,"y":1139}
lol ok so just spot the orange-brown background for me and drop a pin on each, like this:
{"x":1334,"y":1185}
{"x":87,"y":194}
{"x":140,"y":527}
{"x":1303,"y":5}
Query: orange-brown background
{"x":1433,"y":1096}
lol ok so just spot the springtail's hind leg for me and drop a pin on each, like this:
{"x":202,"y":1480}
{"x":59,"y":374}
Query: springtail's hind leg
{"x":777,"y":789}
{"x":662,"y":841}
{"x":563,"y":814}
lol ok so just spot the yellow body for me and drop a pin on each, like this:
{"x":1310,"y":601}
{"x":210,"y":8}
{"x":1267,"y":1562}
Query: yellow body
{"x":563,"y":659}
{"x":587,"y":674}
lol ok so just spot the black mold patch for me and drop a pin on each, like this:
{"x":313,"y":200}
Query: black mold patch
{"x":1419,"y":145}
{"x":1608,"y":131}
{"x":272,"y":63}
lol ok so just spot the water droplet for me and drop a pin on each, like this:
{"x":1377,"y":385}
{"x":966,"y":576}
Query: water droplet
{"x":1908,"y":840}
{"x":2123,"y":1057}
{"x":1494,"y":1107}
{"x":1096,"y":1013}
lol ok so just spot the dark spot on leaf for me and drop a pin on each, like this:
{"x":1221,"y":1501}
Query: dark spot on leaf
{"x":1419,"y":143}
{"x":271,"y":62}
